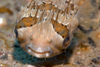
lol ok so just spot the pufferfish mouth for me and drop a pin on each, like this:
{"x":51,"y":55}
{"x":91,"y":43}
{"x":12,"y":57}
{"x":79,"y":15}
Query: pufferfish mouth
{"x":39,"y":52}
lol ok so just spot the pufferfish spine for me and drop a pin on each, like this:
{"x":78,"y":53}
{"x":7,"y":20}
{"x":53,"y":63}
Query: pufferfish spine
{"x":44,"y":28}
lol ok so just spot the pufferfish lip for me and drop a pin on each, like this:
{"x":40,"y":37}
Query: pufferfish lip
{"x":39,"y":53}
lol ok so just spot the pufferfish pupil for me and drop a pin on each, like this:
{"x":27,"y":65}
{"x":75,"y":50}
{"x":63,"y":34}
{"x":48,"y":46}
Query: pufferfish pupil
{"x":66,"y":41}
{"x":43,"y":27}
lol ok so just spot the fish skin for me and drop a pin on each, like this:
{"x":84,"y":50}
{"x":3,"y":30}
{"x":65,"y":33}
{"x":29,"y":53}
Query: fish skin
{"x":45,"y":28}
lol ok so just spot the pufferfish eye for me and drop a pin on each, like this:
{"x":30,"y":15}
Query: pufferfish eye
{"x":66,"y":41}
{"x":16,"y":33}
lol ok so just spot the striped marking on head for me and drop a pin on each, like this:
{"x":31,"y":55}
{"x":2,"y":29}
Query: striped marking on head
{"x":59,"y":17}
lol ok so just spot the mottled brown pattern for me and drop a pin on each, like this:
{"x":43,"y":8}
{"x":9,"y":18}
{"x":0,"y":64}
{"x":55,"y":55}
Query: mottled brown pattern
{"x":26,"y":22}
{"x":60,"y":28}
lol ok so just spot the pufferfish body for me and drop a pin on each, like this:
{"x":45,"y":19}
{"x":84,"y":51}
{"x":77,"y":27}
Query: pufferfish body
{"x":44,"y":28}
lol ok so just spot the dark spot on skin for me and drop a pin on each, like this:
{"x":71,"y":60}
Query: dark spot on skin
{"x":43,"y":3}
{"x":31,"y":25}
{"x":66,"y":2}
{"x":58,"y":32}
{"x":62,"y":24}
{"x":63,"y":36}
{"x":20,"y":26}
{"x":66,"y":26}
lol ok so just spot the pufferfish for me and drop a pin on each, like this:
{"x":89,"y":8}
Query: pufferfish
{"x":44,"y":27}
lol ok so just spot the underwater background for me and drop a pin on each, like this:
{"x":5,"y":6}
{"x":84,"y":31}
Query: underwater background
{"x":84,"y":50}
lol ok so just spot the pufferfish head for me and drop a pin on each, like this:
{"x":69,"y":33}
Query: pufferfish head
{"x":42,"y":29}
